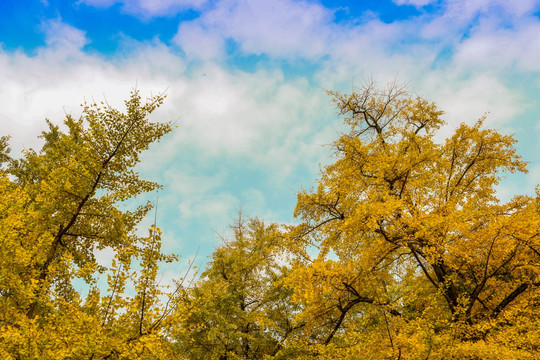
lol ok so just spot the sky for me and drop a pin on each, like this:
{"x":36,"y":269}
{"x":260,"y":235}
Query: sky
{"x":246,"y":85}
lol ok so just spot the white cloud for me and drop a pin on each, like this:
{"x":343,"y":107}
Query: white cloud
{"x":417,"y":3}
{"x":198,"y":42}
{"x":58,"y":78}
{"x":149,"y":8}
{"x":483,"y":94}
{"x":242,"y":114}
{"x":500,"y":8}
{"x":277,"y":28}
{"x":63,"y":36}
{"x":502,"y":49}
{"x":261,"y":118}
{"x":98,"y":3}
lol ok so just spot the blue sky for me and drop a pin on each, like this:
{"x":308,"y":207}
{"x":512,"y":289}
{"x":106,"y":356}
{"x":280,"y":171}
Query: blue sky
{"x":246,"y":85}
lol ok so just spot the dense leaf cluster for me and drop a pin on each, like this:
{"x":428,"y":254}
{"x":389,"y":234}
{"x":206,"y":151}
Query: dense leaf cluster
{"x":402,"y":250}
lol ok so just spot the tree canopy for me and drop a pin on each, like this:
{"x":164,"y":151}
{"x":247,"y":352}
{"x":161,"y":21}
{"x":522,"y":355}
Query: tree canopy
{"x":402,"y":249}
{"x":240,"y":309}
{"x":60,"y":205}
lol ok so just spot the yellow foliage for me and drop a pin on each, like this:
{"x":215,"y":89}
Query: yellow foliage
{"x":404,"y":250}
{"x":57,"y":207}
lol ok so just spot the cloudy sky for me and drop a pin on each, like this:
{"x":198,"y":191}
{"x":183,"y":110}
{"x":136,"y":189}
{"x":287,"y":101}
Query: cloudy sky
{"x":246,"y":83}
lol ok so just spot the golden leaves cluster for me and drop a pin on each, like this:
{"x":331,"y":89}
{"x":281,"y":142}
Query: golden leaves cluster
{"x":57,"y":207}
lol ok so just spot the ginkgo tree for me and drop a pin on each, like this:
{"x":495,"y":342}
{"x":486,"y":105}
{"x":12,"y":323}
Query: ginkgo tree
{"x":60,"y":205}
{"x":404,"y":249}
{"x":240,"y":308}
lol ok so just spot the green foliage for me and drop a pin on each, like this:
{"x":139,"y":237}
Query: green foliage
{"x":4,"y":150}
{"x":240,"y":308}
{"x":59,"y":206}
